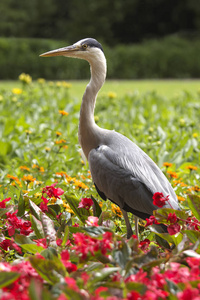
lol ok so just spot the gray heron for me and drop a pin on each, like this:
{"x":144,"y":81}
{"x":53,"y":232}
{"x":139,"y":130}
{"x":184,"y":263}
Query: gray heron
{"x":121,"y":171}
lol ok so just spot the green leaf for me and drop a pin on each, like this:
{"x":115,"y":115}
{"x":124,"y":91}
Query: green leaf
{"x":193,"y":235}
{"x":35,"y":210}
{"x":48,"y":228}
{"x":194,"y":204}
{"x":37,"y":227}
{"x":162,"y":214}
{"x":102,"y":274}
{"x":50,"y":270}
{"x":96,"y":208}
{"x":173,"y":288}
{"x":6,"y":278}
{"x":136,"y":286}
{"x":3,"y":211}
{"x":22,"y":239}
{"x":21,"y":206}
{"x":32,"y":248}
{"x":66,"y":236}
{"x":81,"y":213}
{"x":49,"y":253}
{"x":5,"y":147}
{"x":121,"y":255}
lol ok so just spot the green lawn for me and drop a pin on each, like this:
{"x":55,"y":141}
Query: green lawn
{"x":167,"y":88}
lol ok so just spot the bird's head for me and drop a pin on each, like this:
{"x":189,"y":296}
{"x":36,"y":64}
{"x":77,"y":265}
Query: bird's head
{"x":88,"y":49}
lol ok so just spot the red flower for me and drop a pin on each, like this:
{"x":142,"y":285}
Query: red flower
{"x":64,"y":255}
{"x":16,"y":223}
{"x":2,"y":203}
{"x":41,"y":242}
{"x":59,"y":242}
{"x":189,"y":293}
{"x":144,"y":244}
{"x":173,"y":229}
{"x":5,"y":244}
{"x":43,"y":205}
{"x":133,"y":295}
{"x":86,"y":203}
{"x":172,"y":218}
{"x":70,"y":267}
{"x":152,"y":220}
{"x":71,"y":282}
{"x":100,"y":289}
{"x":159,"y":199}
{"x":51,"y":191}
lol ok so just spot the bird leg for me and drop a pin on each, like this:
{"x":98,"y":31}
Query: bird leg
{"x":136,"y":227}
{"x":128,"y":225}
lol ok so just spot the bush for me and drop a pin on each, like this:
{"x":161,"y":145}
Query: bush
{"x":170,"y":57}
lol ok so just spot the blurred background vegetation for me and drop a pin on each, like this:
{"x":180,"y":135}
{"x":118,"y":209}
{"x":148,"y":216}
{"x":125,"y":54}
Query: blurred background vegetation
{"x":141,"y":38}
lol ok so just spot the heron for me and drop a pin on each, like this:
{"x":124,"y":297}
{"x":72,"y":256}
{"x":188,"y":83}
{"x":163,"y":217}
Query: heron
{"x":121,"y":171}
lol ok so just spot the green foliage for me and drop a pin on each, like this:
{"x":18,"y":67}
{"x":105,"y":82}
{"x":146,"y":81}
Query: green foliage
{"x":170,"y":57}
{"x":50,"y":248}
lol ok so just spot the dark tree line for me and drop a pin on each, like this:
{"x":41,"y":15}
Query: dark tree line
{"x":119,"y":21}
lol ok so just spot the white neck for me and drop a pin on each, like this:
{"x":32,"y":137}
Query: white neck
{"x":88,"y":131}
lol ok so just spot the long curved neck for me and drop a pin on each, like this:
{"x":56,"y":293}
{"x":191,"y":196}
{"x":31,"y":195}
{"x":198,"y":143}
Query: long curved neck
{"x":88,"y":131}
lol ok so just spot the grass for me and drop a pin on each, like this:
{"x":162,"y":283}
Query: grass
{"x":168,"y":88}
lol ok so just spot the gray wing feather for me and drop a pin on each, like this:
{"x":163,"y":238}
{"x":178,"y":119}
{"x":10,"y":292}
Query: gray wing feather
{"x":125,"y":174}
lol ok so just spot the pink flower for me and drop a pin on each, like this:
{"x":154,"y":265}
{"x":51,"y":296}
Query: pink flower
{"x":86,"y":203}
{"x":92,"y":221}
{"x":173,"y":229}
{"x":159,"y":199}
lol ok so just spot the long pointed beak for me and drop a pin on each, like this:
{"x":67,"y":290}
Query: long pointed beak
{"x":65,"y":51}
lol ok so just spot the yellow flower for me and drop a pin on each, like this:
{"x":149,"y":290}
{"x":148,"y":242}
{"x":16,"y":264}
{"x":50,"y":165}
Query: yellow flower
{"x":181,"y":198}
{"x":190,"y":167}
{"x":28,"y":132}
{"x":66,"y":84}
{"x":1,"y":98}
{"x":167,"y":164}
{"x":62,"y":141}
{"x":58,"y":133}
{"x":80,"y":184}
{"x":16,"y":91}
{"x":172,"y":174}
{"x":41,"y":80}
{"x":28,"y":178}
{"x":47,"y":149}
{"x":112,"y":95}
{"x":24,"y":168}
{"x":67,"y":208}
{"x":63,"y":113}
{"x":195,"y":135}
{"x":62,"y":174}
{"x":12,"y":177}
{"x":196,"y":188}
{"x":25,"y":78}
{"x":116,"y":210}
{"x":58,"y":83}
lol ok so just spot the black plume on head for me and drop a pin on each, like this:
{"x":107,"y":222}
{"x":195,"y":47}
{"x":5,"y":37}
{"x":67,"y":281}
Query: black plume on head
{"x":93,"y":43}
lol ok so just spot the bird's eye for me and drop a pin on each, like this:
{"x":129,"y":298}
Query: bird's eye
{"x":84,"y":46}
